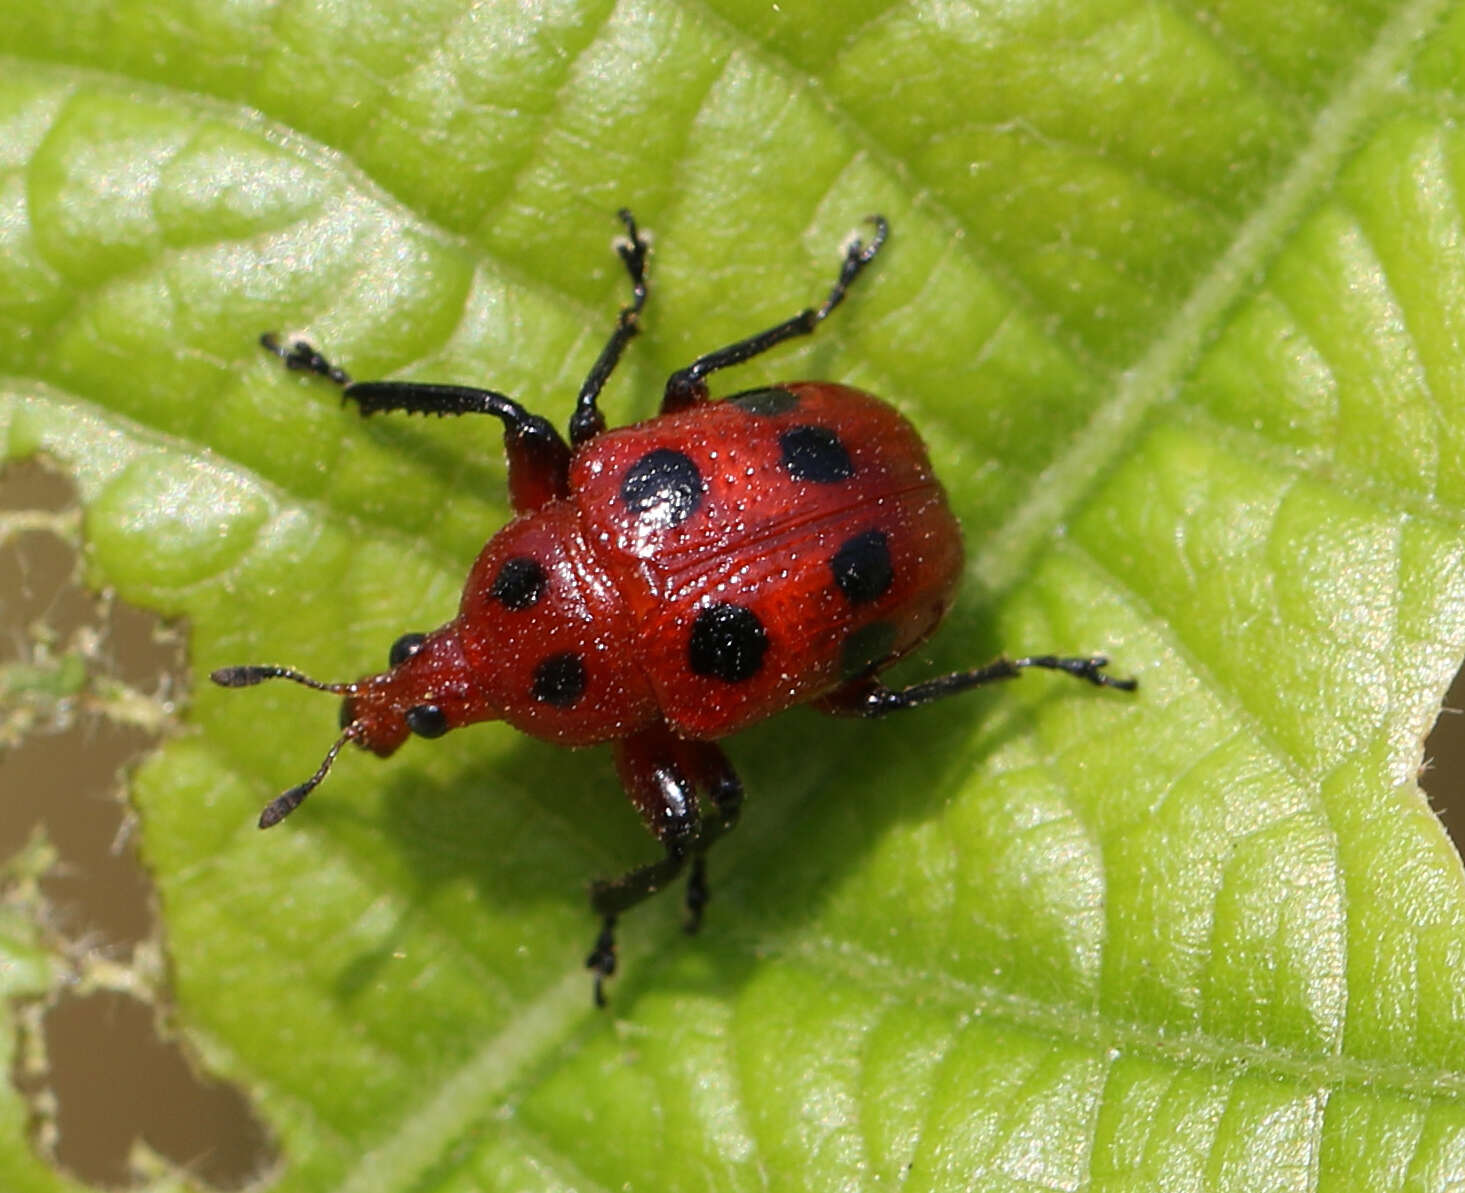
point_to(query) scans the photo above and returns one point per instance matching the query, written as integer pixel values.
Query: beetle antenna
(285, 803)
(250, 674)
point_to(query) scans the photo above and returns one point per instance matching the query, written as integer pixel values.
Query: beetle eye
(405, 647)
(427, 720)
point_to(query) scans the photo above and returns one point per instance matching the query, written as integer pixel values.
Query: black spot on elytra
(519, 583)
(862, 567)
(815, 454)
(765, 401)
(426, 720)
(559, 679)
(728, 642)
(663, 488)
(404, 648)
(865, 648)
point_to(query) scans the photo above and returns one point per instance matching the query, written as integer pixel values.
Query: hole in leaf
(1444, 772)
(86, 688)
(115, 1082)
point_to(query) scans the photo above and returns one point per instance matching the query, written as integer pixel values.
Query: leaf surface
(1177, 296)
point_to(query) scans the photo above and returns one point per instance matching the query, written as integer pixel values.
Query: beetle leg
(303, 358)
(587, 421)
(697, 892)
(688, 386)
(539, 460)
(868, 697)
(717, 778)
(662, 774)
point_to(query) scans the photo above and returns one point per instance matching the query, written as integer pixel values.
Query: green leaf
(1177, 296)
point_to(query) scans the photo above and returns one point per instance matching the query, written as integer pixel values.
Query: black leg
(539, 459)
(610, 897)
(716, 777)
(663, 774)
(602, 958)
(697, 893)
(688, 386)
(871, 698)
(587, 421)
(303, 358)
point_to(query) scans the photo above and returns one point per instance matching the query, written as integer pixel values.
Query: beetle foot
(697, 894)
(602, 958)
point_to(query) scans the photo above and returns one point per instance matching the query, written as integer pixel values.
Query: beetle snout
(374, 720)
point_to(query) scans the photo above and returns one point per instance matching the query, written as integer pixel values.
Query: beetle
(670, 582)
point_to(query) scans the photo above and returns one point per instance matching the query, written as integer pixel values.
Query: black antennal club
(286, 802)
(252, 673)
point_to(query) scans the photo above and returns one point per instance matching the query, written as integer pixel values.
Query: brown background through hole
(114, 1075)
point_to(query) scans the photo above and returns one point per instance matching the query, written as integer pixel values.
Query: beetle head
(427, 689)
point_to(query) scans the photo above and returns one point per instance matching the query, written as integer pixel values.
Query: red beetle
(668, 583)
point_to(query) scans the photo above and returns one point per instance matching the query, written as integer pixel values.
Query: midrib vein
(1057, 491)
(418, 1140)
